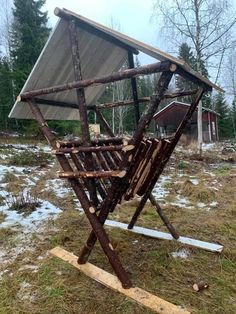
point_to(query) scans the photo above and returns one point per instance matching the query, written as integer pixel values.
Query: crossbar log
(93, 149)
(97, 141)
(163, 66)
(111, 104)
(139, 295)
(92, 174)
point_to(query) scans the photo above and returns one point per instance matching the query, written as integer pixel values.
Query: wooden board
(212, 247)
(141, 296)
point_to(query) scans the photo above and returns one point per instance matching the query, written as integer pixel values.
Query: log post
(160, 212)
(104, 122)
(162, 66)
(82, 106)
(134, 88)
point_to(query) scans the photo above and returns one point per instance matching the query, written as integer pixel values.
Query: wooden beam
(96, 141)
(92, 174)
(163, 66)
(120, 103)
(134, 89)
(93, 149)
(139, 295)
(212, 247)
(104, 123)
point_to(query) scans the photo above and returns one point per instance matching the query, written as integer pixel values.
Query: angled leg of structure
(89, 210)
(159, 210)
(119, 186)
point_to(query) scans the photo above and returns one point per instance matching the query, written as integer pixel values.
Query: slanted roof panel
(99, 56)
(145, 48)
(54, 66)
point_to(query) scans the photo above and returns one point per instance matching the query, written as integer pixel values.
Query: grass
(2, 217)
(196, 193)
(9, 177)
(24, 202)
(28, 158)
(59, 288)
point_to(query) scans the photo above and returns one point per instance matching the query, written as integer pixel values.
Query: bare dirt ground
(39, 211)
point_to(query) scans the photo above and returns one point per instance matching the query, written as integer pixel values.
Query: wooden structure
(168, 119)
(78, 60)
(141, 296)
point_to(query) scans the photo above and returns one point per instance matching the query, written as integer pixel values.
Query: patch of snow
(182, 253)
(194, 181)
(25, 292)
(213, 204)
(201, 205)
(182, 201)
(33, 268)
(43, 212)
(58, 187)
(208, 146)
(209, 173)
(159, 191)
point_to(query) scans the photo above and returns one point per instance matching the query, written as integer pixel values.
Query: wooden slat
(212, 247)
(92, 174)
(141, 296)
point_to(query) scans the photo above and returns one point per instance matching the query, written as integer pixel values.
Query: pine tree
(186, 54)
(29, 34)
(233, 116)
(225, 125)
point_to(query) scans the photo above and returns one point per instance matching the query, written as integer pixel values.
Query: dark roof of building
(179, 103)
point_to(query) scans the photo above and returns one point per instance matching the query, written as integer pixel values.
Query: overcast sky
(132, 15)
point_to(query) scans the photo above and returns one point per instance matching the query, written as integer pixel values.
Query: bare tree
(5, 27)
(231, 73)
(205, 25)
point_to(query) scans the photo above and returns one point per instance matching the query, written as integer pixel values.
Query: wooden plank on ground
(141, 296)
(212, 247)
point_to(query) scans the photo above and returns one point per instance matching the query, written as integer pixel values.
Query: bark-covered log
(92, 174)
(162, 66)
(201, 285)
(93, 149)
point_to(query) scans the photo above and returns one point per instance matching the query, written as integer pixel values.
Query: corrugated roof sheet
(54, 66)
(98, 57)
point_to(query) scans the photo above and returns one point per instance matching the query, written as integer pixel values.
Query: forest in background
(24, 31)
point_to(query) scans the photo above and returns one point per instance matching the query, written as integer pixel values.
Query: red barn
(168, 119)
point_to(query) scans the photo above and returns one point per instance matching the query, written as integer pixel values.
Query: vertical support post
(104, 122)
(134, 88)
(78, 77)
(82, 106)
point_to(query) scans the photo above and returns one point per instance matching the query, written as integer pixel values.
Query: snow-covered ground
(23, 225)
(27, 224)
